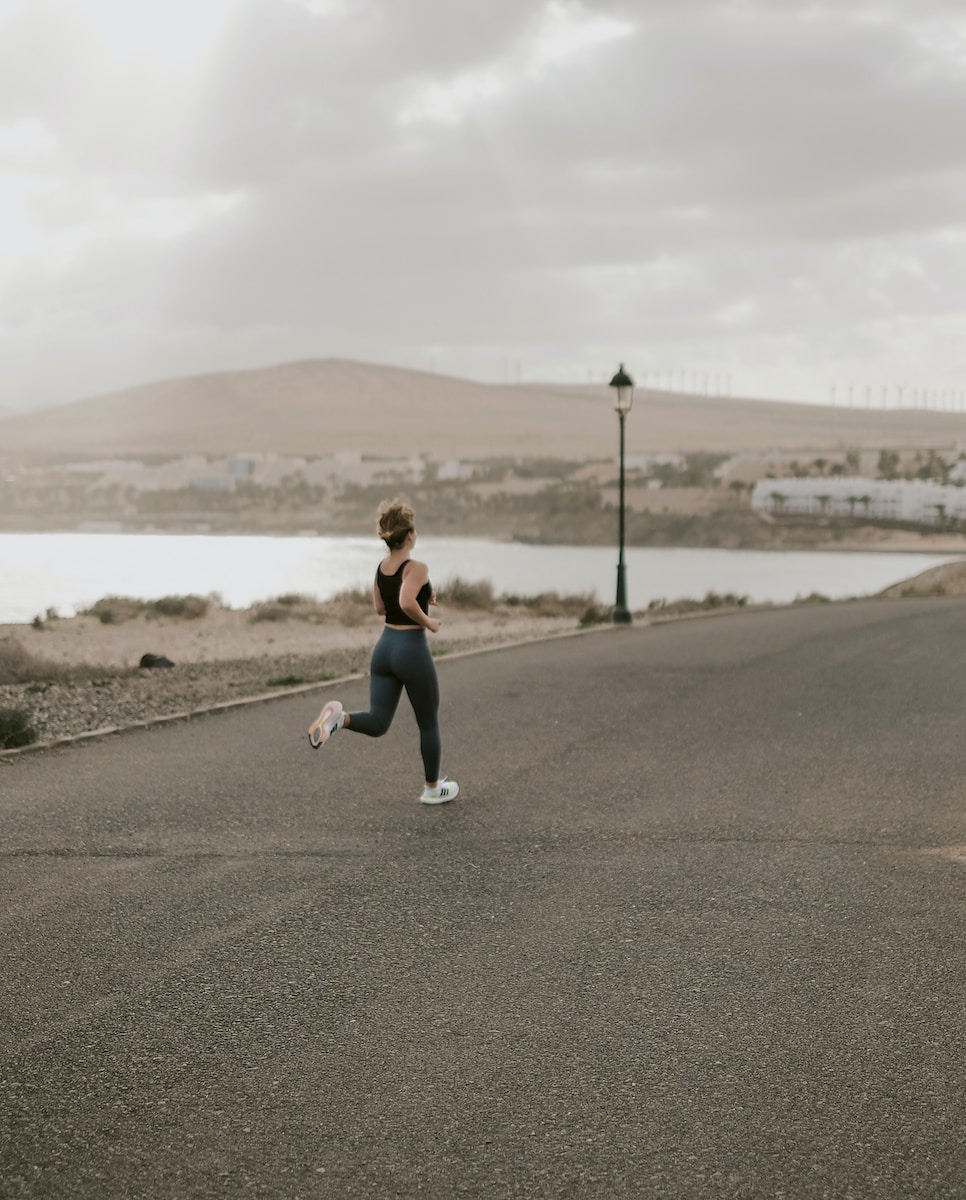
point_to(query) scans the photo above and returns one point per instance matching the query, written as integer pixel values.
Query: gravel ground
(59, 710)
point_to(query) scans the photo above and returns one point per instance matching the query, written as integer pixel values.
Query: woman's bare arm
(415, 577)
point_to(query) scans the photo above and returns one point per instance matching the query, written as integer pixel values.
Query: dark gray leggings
(401, 659)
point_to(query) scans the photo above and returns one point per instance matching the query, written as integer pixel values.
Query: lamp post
(623, 387)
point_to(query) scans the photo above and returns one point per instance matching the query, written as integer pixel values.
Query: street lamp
(623, 387)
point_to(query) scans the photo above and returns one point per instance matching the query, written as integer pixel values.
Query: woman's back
(390, 585)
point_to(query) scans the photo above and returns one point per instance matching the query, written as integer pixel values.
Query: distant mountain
(314, 408)
(325, 406)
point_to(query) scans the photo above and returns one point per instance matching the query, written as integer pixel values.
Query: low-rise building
(917, 501)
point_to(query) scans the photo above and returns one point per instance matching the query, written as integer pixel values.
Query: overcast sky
(767, 194)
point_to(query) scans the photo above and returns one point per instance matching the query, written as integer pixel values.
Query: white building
(917, 501)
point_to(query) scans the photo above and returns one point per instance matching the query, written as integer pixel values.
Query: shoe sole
(318, 734)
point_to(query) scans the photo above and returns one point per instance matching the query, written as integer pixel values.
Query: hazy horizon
(694, 384)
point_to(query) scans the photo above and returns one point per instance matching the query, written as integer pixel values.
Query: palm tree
(888, 464)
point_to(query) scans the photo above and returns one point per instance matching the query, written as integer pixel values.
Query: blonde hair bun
(396, 520)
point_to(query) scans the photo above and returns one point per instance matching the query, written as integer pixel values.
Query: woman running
(401, 659)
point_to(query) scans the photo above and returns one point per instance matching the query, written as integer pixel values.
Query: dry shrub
(114, 610)
(551, 604)
(269, 611)
(933, 589)
(188, 608)
(712, 600)
(351, 607)
(478, 595)
(465, 593)
(18, 665)
(593, 614)
(15, 728)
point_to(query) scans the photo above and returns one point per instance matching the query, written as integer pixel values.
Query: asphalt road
(694, 928)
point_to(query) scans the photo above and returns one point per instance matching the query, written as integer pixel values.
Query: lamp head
(624, 391)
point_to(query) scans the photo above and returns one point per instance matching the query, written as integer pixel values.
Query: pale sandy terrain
(224, 635)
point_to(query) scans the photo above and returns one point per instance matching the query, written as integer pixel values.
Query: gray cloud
(772, 189)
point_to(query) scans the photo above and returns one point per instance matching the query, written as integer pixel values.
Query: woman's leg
(417, 671)
(385, 688)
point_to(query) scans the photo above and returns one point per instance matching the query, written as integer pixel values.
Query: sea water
(70, 571)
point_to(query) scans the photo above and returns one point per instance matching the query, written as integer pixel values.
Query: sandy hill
(320, 407)
(948, 579)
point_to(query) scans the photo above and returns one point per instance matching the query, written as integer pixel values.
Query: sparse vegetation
(18, 665)
(350, 607)
(712, 600)
(270, 611)
(15, 729)
(478, 595)
(354, 606)
(114, 610)
(934, 589)
(888, 466)
(593, 614)
(462, 593)
(189, 608)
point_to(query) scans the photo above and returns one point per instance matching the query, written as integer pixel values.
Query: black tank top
(389, 586)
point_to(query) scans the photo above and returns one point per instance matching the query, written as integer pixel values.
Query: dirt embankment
(948, 579)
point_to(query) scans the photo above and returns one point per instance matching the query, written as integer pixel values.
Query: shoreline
(19, 617)
(802, 539)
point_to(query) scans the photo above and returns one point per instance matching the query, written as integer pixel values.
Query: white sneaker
(445, 790)
(326, 723)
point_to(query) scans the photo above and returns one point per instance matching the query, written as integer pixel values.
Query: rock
(152, 661)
